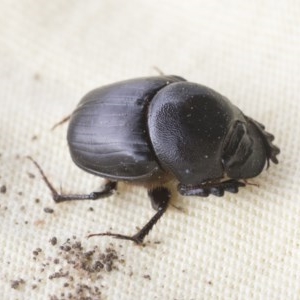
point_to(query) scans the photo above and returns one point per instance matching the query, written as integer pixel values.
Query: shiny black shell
(108, 134)
(142, 129)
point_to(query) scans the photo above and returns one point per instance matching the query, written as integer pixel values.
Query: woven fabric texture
(240, 246)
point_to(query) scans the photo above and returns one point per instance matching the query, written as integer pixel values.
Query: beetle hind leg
(159, 199)
(214, 188)
(107, 191)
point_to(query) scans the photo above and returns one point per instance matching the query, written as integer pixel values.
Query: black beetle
(152, 130)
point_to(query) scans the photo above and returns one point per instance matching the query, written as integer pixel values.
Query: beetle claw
(133, 238)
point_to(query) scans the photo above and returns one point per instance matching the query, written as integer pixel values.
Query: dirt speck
(39, 223)
(17, 284)
(3, 189)
(78, 271)
(48, 210)
(37, 76)
(53, 241)
(30, 175)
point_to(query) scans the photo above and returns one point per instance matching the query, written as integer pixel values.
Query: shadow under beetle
(151, 130)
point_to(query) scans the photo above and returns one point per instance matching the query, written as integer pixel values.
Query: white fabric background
(244, 246)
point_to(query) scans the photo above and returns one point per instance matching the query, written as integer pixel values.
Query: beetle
(148, 131)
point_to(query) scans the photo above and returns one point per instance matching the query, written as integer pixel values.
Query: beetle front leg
(108, 190)
(214, 188)
(159, 199)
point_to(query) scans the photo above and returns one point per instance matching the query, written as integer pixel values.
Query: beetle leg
(215, 188)
(108, 190)
(64, 120)
(159, 199)
(158, 70)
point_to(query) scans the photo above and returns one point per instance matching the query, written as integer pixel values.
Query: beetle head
(247, 149)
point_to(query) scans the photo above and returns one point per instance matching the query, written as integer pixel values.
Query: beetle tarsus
(48, 183)
(160, 197)
(119, 236)
(215, 188)
(108, 190)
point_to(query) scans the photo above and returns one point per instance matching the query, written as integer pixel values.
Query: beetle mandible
(152, 130)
